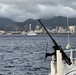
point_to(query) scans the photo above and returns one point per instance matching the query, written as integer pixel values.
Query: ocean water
(25, 55)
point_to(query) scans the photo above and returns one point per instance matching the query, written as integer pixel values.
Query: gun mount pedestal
(56, 66)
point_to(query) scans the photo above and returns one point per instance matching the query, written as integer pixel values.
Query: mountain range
(10, 25)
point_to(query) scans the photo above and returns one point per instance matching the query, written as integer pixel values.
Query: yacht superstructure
(31, 33)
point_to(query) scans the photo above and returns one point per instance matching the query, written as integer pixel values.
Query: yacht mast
(68, 28)
(68, 46)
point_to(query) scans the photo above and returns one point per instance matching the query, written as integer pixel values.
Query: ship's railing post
(59, 62)
(53, 66)
(71, 55)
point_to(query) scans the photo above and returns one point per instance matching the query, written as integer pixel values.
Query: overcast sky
(20, 10)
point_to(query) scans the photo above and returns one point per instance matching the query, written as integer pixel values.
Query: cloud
(21, 10)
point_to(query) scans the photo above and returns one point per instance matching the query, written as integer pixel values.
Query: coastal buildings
(72, 29)
(40, 30)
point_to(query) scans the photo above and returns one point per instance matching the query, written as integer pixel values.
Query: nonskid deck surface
(69, 71)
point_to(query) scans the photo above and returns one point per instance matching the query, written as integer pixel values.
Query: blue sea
(25, 55)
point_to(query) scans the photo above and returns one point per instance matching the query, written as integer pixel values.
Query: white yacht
(31, 33)
(23, 33)
(9, 33)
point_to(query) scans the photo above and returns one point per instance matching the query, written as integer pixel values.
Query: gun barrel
(57, 47)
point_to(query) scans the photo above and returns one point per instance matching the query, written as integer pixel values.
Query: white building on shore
(2, 32)
(72, 29)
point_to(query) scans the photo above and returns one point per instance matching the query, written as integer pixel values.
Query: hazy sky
(21, 10)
